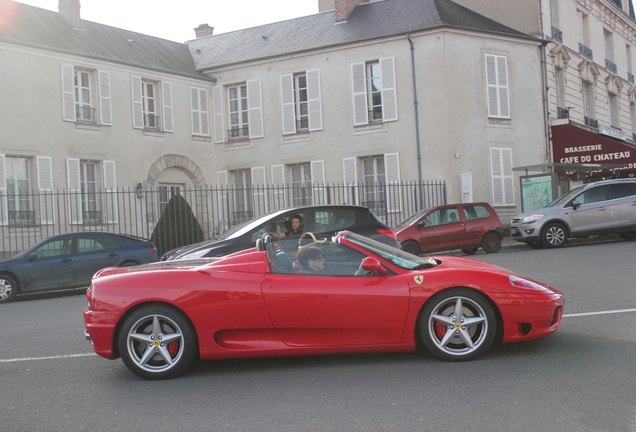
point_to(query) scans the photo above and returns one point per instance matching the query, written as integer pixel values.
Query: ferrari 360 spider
(340, 295)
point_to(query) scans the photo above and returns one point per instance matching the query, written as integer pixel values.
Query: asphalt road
(580, 379)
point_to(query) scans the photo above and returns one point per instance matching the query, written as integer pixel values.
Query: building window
(166, 193)
(374, 92)
(301, 104)
(301, 185)
(92, 192)
(588, 99)
(239, 120)
(374, 179)
(91, 213)
(84, 111)
(554, 13)
(613, 109)
(199, 111)
(17, 190)
(502, 176)
(149, 105)
(497, 86)
(609, 45)
(559, 79)
(243, 196)
(584, 29)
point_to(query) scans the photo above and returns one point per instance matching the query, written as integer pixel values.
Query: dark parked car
(600, 208)
(70, 260)
(323, 220)
(454, 226)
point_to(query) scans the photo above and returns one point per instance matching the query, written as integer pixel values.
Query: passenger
(298, 224)
(286, 230)
(310, 259)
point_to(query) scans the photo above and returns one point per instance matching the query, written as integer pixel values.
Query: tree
(177, 226)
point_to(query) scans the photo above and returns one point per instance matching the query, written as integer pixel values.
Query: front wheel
(458, 324)
(628, 235)
(491, 243)
(411, 247)
(8, 289)
(157, 342)
(554, 235)
(470, 251)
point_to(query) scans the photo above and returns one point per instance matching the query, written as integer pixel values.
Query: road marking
(598, 313)
(92, 354)
(46, 358)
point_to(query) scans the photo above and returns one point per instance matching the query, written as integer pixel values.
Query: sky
(175, 19)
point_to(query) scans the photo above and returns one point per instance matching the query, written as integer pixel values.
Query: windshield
(398, 257)
(565, 198)
(245, 227)
(413, 218)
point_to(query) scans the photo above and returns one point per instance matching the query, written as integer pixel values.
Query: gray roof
(367, 21)
(41, 28)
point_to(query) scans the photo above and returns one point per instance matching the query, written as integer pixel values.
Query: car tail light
(89, 297)
(153, 250)
(387, 232)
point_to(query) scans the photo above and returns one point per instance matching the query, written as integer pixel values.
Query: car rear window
(334, 220)
(476, 212)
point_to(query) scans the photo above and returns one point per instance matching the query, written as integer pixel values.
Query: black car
(324, 220)
(70, 260)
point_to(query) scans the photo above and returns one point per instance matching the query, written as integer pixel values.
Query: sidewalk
(509, 244)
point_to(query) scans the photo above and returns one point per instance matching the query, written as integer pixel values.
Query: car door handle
(65, 260)
(112, 254)
(602, 208)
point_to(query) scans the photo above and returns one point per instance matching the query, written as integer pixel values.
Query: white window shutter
(259, 183)
(502, 176)
(393, 187)
(196, 115)
(166, 96)
(467, 187)
(318, 181)
(137, 107)
(497, 86)
(74, 191)
(389, 93)
(223, 211)
(68, 93)
(205, 120)
(4, 214)
(255, 109)
(287, 102)
(110, 208)
(217, 107)
(278, 187)
(314, 99)
(359, 86)
(350, 180)
(105, 103)
(45, 189)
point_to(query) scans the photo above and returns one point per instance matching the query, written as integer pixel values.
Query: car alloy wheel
(628, 235)
(411, 247)
(457, 324)
(8, 289)
(157, 342)
(554, 235)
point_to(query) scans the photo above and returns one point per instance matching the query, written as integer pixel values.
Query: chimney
(203, 30)
(70, 11)
(345, 7)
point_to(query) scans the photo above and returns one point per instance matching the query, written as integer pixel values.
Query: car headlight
(532, 218)
(520, 282)
(196, 254)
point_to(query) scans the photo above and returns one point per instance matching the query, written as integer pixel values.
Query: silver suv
(604, 207)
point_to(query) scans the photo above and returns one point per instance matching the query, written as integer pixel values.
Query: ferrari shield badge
(418, 279)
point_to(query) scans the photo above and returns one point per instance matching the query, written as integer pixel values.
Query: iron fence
(216, 209)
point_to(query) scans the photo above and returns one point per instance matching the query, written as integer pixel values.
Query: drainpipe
(546, 113)
(417, 118)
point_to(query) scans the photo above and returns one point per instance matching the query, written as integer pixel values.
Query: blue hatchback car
(70, 260)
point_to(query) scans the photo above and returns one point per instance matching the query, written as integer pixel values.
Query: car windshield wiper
(428, 264)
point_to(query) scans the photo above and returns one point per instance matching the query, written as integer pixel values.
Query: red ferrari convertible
(343, 295)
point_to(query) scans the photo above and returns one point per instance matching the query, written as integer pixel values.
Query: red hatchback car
(453, 226)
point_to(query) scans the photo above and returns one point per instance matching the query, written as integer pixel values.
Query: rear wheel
(470, 251)
(457, 324)
(157, 342)
(411, 247)
(8, 289)
(554, 235)
(628, 235)
(491, 243)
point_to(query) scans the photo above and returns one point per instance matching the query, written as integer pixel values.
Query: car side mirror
(421, 224)
(575, 204)
(32, 256)
(370, 264)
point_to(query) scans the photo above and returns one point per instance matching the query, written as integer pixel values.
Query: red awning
(574, 145)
